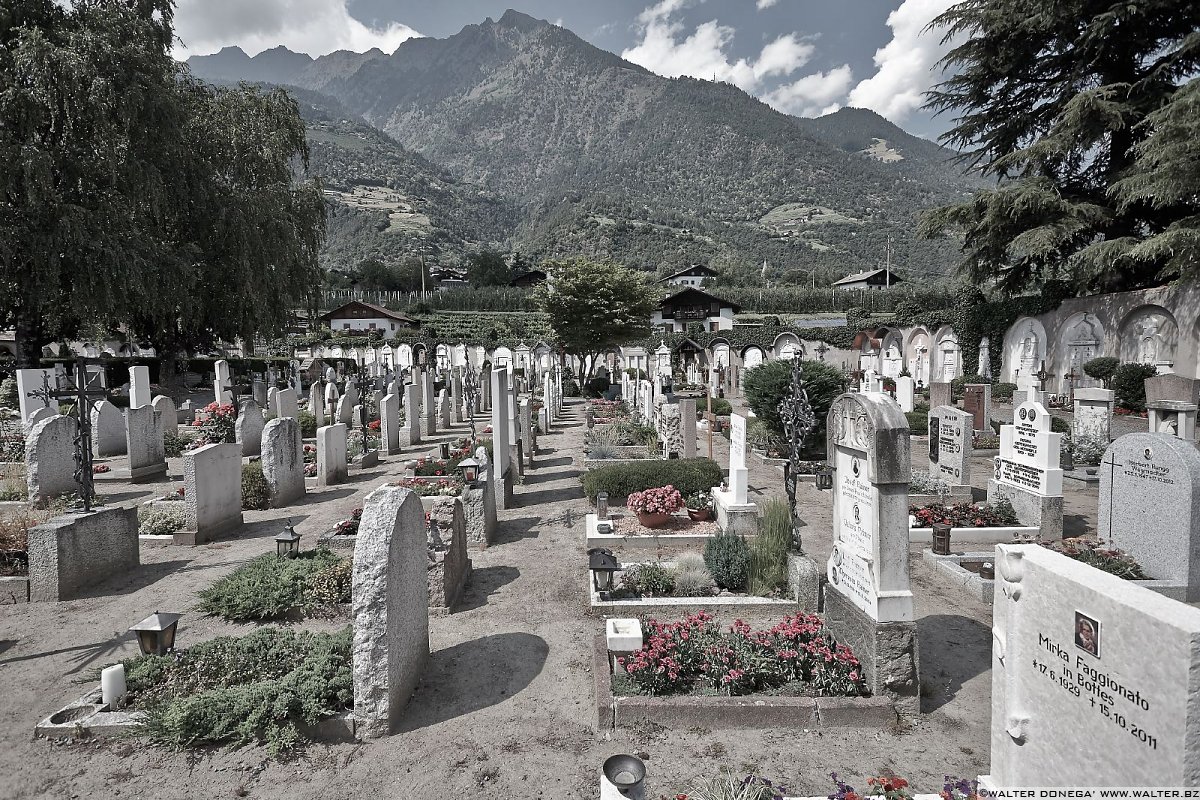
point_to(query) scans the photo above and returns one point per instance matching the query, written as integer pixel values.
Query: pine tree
(1084, 113)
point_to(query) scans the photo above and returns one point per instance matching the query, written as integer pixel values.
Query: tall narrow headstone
(1027, 471)
(286, 404)
(108, 430)
(222, 385)
(258, 390)
(50, 459)
(428, 405)
(139, 387)
(390, 608)
(316, 402)
(1093, 678)
(345, 407)
(868, 601)
(283, 461)
(940, 394)
(977, 401)
(332, 467)
(1092, 419)
(248, 429)
(525, 425)
(547, 412)
(212, 481)
(904, 392)
(270, 407)
(444, 410)
(1150, 508)
(331, 402)
(144, 444)
(687, 426)
(166, 414)
(950, 445)
(500, 440)
(456, 394)
(389, 424)
(485, 389)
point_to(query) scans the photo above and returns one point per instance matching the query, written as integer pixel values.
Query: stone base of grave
(79, 550)
(739, 518)
(804, 581)
(149, 472)
(367, 459)
(502, 487)
(517, 457)
(429, 426)
(887, 651)
(479, 509)
(1033, 510)
(410, 438)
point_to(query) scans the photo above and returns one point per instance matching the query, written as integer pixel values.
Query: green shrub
(570, 388)
(308, 424)
(1102, 368)
(332, 584)
(256, 494)
(649, 579)
(767, 384)
(958, 386)
(688, 475)
(268, 587)
(768, 554)
(694, 583)
(8, 393)
(918, 422)
(689, 561)
(262, 687)
(728, 559)
(720, 406)
(1060, 425)
(161, 519)
(1129, 385)
(1003, 391)
(173, 444)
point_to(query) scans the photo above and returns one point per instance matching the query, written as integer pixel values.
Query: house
(690, 305)
(871, 279)
(528, 279)
(358, 316)
(694, 276)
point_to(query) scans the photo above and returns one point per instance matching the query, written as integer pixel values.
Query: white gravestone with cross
(1027, 472)
(734, 512)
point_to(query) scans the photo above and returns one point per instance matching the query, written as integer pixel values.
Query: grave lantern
(987, 571)
(602, 505)
(445, 451)
(941, 538)
(470, 470)
(156, 633)
(287, 543)
(603, 564)
(824, 478)
(625, 773)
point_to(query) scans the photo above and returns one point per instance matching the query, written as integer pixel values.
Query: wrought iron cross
(84, 396)
(798, 422)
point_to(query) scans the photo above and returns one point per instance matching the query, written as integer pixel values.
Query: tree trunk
(170, 380)
(29, 339)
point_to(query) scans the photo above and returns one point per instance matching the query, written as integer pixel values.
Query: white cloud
(703, 53)
(765, 4)
(813, 95)
(315, 27)
(906, 64)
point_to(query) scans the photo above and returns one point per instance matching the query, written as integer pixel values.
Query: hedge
(688, 475)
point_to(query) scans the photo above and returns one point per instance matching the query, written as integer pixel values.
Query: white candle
(112, 685)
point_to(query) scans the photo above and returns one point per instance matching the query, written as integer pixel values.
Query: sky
(803, 57)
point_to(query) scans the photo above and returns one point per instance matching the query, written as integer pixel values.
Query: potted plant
(699, 506)
(654, 507)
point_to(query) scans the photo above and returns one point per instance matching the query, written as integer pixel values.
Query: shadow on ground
(485, 582)
(954, 650)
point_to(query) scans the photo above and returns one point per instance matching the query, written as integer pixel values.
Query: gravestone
(502, 479)
(1093, 415)
(687, 427)
(1171, 405)
(670, 430)
(108, 430)
(868, 600)
(144, 443)
(316, 402)
(1150, 508)
(940, 394)
(1093, 678)
(167, 416)
(389, 609)
(31, 380)
(222, 387)
(950, 445)
(345, 407)
(332, 467)
(485, 388)
(283, 461)
(525, 425)
(428, 405)
(139, 387)
(248, 429)
(411, 433)
(734, 512)
(286, 404)
(456, 394)
(46, 412)
(977, 401)
(449, 564)
(331, 402)
(50, 459)
(389, 424)
(444, 410)
(904, 392)
(212, 497)
(1027, 472)
(258, 391)
(74, 552)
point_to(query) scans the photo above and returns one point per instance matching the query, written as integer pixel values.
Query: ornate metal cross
(84, 396)
(798, 422)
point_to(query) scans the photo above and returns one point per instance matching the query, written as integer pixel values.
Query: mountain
(603, 158)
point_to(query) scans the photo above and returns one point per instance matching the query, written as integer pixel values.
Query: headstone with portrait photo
(1093, 678)
(868, 599)
(1027, 472)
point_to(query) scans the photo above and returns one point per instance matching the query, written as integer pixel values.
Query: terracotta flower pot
(699, 514)
(652, 520)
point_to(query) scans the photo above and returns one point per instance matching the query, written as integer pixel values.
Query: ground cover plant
(688, 475)
(965, 515)
(264, 687)
(694, 656)
(1095, 554)
(621, 433)
(459, 451)
(161, 519)
(256, 492)
(270, 587)
(768, 572)
(431, 487)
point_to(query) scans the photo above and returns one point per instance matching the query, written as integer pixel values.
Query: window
(371, 326)
(345, 326)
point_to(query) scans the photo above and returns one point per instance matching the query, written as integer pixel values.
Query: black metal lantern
(602, 505)
(445, 450)
(156, 633)
(287, 543)
(941, 539)
(824, 477)
(603, 565)
(470, 470)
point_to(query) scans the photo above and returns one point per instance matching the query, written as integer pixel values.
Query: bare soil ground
(506, 708)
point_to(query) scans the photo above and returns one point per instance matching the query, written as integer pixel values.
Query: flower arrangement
(678, 657)
(100, 469)
(426, 487)
(1093, 553)
(662, 500)
(964, 515)
(349, 527)
(216, 426)
(374, 425)
(891, 787)
(699, 501)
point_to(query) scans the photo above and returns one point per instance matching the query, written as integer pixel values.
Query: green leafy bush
(728, 559)
(1102, 368)
(694, 583)
(570, 388)
(161, 519)
(8, 393)
(688, 475)
(264, 687)
(768, 554)
(767, 384)
(308, 424)
(1003, 391)
(1088, 450)
(1129, 385)
(331, 585)
(269, 587)
(256, 493)
(174, 444)
(1060, 425)
(651, 580)
(918, 422)
(720, 406)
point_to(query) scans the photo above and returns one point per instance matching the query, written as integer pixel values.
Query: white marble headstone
(1029, 452)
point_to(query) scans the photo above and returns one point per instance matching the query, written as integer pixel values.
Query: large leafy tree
(1085, 113)
(134, 194)
(594, 307)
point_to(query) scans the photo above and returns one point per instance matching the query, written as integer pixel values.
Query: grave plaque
(1093, 678)
(1029, 452)
(950, 445)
